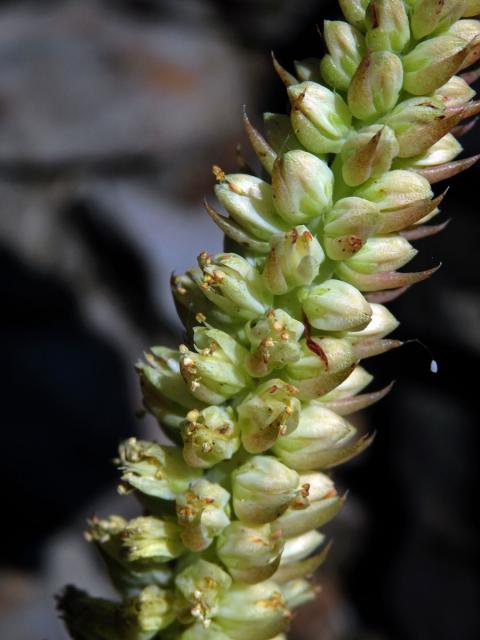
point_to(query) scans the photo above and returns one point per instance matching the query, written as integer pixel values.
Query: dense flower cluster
(256, 400)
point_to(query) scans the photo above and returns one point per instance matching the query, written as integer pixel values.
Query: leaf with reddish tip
(236, 233)
(382, 297)
(302, 569)
(346, 406)
(285, 76)
(424, 231)
(447, 169)
(469, 110)
(463, 129)
(313, 388)
(473, 53)
(398, 219)
(264, 151)
(374, 347)
(346, 453)
(382, 280)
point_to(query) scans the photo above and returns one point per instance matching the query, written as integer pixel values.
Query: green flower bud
(165, 393)
(199, 631)
(471, 8)
(418, 123)
(274, 342)
(346, 48)
(434, 15)
(355, 383)
(321, 440)
(376, 85)
(298, 592)
(432, 63)
(387, 25)
(210, 436)
(298, 548)
(256, 612)
(233, 284)
(268, 412)
(138, 618)
(320, 118)
(382, 253)
(354, 11)
(279, 132)
(454, 93)
(263, 488)
(127, 577)
(155, 470)
(321, 356)
(382, 323)
(445, 150)
(194, 308)
(294, 260)
(143, 616)
(322, 502)
(250, 553)
(368, 154)
(216, 372)
(396, 189)
(348, 225)
(248, 200)
(148, 538)
(302, 186)
(201, 587)
(335, 306)
(203, 513)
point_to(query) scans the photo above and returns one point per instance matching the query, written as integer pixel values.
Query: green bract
(257, 398)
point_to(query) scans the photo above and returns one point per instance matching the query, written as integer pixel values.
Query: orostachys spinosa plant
(256, 400)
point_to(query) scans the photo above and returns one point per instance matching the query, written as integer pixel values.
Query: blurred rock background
(111, 115)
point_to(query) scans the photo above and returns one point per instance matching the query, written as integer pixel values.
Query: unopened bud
(355, 383)
(274, 341)
(298, 592)
(454, 93)
(387, 25)
(445, 150)
(155, 470)
(382, 253)
(210, 436)
(376, 85)
(279, 132)
(202, 512)
(201, 587)
(144, 615)
(250, 553)
(354, 11)
(396, 189)
(149, 538)
(432, 63)
(248, 200)
(322, 501)
(471, 8)
(335, 306)
(266, 413)
(418, 123)
(321, 356)
(382, 323)
(216, 372)
(233, 284)
(302, 186)
(368, 154)
(256, 612)
(298, 548)
(346, 48)
(348, 225)
(263, 488)
(320, 118)
(319, 441)
(465, 29)
(295, 258)
(431, 15)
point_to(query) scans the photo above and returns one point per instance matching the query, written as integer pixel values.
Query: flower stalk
(258, 398)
